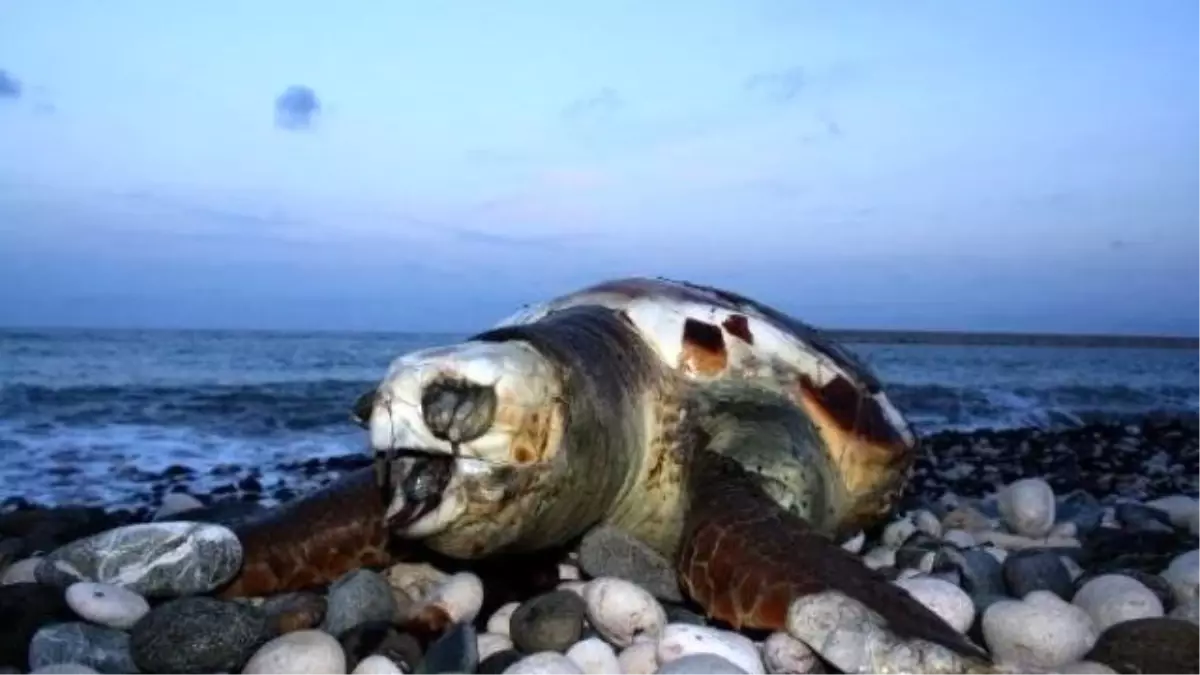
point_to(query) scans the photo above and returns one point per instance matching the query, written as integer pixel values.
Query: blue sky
(1020, 165)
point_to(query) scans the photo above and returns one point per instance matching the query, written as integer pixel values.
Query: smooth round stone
(376, 665)
(681, 639)
(380, 638)
(594, 656)
(1037, 570)
(105, 649)
(1141, 518)
(611, 552)
(157, 560)
(1041, 631)
(1154, 645)
(1182, 511)
(106, 605)
(880, 557)
(1028, 507)
(1114, 598)
(550, 622)
(943, 598)
(898, 531)
(311, 652)
(500, 622)
(959, 538)
(197, 635)
(1082, 509)
(783, 653)
(492, 643)
(639, 658)
(622, 611)
(358, 597)
(544, 663)
(700, 664)
(928, 523)
(1183, 573)
(979, 572)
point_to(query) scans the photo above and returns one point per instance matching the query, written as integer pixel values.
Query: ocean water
(87, 415)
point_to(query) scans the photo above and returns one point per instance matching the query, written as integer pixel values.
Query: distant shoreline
(988, 339)
(848, 335)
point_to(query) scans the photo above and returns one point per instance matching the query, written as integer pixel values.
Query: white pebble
(1041, 631)
(1114, 598)
(311, 652)
(460, 596)
(544, 663)
(942, 598)
(928, 523)
(1063, 530)
(575, 587)
(490, 643)
(569, 572)
(683, 639)
(699, 664)
(898, 531)
(63, 669)
(21, 572)
(594, 656)
(639, 658)
(880, 556)
(175, 503)
(1183, 574)
(855, 544)
(960, 538)
(621, 611)
(501, 619)
(1181, 510)
(106, 604)
(1027, 506)
(377, 664)
(1087, 668)
(783, 653)
(909, 573)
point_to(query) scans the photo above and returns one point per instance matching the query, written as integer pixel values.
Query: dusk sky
(977, 165)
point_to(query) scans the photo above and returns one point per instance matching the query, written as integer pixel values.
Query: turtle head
(465, 439)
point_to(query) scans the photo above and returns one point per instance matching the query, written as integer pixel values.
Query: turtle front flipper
(745, 560)
(314, 540)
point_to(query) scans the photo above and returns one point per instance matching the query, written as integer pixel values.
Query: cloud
(296, 108)
(10, 87)
(601, 105)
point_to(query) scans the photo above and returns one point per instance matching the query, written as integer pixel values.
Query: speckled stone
(105, 649)
(358, 597)
(1151, 645)
(198, 635)
(165, 559)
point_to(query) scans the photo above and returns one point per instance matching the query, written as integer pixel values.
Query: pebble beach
(1056, 551)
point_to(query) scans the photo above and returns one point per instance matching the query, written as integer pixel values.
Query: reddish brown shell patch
(739, 327)
(703, 347)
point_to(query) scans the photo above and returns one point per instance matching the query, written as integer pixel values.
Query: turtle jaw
(423, 491)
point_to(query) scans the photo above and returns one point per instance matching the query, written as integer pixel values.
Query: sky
(1015, 165)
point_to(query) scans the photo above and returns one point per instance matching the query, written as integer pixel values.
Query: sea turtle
(728, 436)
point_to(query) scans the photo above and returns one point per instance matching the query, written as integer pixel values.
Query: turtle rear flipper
(745, 559)
(314, 540)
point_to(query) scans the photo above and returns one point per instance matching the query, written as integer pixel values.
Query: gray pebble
(550, 622)
(104, 649)
(1141, 518)
(455, 652)
(610, 552)
(198, 635)
(980, 572)
(358, 597)
(1036, 570)
(1082, 509)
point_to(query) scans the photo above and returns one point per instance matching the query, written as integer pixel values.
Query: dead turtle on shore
(729, 437)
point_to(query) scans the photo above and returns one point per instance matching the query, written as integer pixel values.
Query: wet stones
(1152, 645)
(1037, 570)
(549, 622)
(167, 559)
(610, 552)
(104, 649)
(358, 597)
(198, 635)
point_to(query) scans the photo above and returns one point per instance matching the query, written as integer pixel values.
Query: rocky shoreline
(1072, 551)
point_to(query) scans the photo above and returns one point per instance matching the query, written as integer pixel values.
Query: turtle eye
(458, 411)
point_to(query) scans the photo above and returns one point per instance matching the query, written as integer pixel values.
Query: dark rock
(104, 649)
(1151, 645)
(1141, 518)
(198, 635)
(499, 662)
(549, 622)
(980, 572)
(1035, 570)
(44, 529)
(294, 611)
(609, 552)
(358, 597)
(1082, 509)
(455, 652)
(380, 637)
(680, 614)
(25, 608)
(1109, 549)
